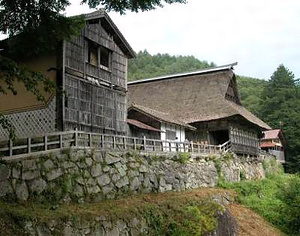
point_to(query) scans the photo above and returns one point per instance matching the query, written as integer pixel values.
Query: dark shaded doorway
(218, 137)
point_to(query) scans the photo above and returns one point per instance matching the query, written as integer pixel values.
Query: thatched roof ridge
(159, 115)
(191, 98)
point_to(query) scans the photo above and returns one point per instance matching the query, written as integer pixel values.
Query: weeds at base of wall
(182, 157)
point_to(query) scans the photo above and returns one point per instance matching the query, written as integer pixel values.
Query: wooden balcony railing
(80, 139)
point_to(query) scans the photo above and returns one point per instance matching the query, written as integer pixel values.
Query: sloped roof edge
(158, 115)
(102, 14)
(198, 72)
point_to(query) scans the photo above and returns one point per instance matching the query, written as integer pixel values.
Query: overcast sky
(258, 34)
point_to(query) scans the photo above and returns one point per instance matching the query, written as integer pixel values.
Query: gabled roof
(272, 134)
(159, 115)
(191, 97)
(110, 26)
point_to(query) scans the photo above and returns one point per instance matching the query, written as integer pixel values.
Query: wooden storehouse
(207, 100)
(273, 142)
(92, 70)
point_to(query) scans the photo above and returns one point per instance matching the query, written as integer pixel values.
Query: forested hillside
(276, 101)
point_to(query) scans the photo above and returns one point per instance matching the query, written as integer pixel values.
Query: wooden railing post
(46, 143)
(192, 147)
(90, 140)
(114, 142)
(125, 144)
(29, 145)
(76, 138)
(60, 141)
(145, 143)
(134, 143)
(101, 141)
(10, 147)
(154, 145)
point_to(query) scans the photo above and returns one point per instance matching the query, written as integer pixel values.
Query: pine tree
(281, 109)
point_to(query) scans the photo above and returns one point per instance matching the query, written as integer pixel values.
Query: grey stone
(107, 189)
(5, 188)
(4, 172)
(42, 230)
(68, 230)
(54, 174)
(110, 159)
(22, 191)
(29, 164)
(30, 174)
(16, 173)
(78, 191)
(134, 165)
(89, 161)
(121, 168)
(135, 184)
(80, 180)
(98, 231)
(97, 157)
(48, 165)
(121, 225)
(133, 173)
(68, 165)
(122, 182)
(91, 182)
(103, 180)
(96, 170)
(93, 189)
(113, 232)
(29, 228)
(116, 177)
(38, 185)
(106, 169)
(143, 169)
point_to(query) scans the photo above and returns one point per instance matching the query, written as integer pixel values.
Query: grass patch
(276, 198)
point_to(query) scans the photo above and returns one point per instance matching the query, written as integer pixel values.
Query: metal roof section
(198, 72)
(142, 125)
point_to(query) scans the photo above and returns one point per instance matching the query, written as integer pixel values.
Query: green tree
(281, 109)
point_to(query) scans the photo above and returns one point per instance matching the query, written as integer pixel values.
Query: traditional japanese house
(92, 70)
(207, 100)
(273, 142)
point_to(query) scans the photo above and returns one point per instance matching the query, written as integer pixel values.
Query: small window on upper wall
(93, 54)
(105, 55)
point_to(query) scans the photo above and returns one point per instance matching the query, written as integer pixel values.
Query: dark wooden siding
(96, 98)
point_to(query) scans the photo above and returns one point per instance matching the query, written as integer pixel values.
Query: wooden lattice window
(98, 55)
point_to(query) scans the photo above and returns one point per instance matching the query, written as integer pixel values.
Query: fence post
(29, 145)
(170, 146)
(10, 147)
(101, 141)
(134, 143)
(76, 138)
(90, 139)
(192, 147)
(46, 143)
(114, 142)
(125, 145)
(154, 145)
(145, 143)
(60, 141)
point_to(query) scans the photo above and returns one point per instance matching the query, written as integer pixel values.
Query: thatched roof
(160, 116)
(191, 97)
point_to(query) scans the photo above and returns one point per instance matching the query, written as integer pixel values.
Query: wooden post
(170, 146)
(76, 138)
(114, 142)
(183, 146)
(198, 147)
(145, 143)
(90, 139)
(101, 141)
(60, 141)
(46, 143)
(29, 145)
(10, 147)
(134, 143)
(125, 144)
(192, 147)
(154, 145)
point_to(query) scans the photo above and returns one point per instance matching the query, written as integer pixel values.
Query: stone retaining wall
(88, 175)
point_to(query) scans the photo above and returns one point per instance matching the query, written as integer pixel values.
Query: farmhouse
(273, 142)
(92, 70)
(202, 106)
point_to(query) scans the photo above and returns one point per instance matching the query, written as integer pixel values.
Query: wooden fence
(82, 139)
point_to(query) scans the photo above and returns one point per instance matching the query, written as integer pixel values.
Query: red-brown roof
(267, 145)
(142, 125)
(271, 134)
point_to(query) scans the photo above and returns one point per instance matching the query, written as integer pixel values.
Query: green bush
(184, 157)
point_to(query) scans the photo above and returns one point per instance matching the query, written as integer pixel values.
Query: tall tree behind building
(280, 107)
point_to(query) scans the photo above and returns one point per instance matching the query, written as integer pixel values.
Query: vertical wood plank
(60, 141)
(29, 145)
(192, 147)
(76, 138)
(10, 147)
(90, 140)
(114, 142)
(125, 144)
(46, 143)
(134, 143)
(145, 143)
